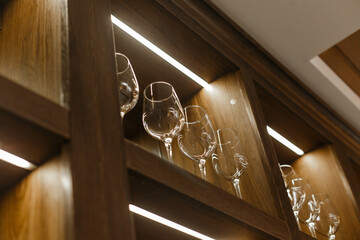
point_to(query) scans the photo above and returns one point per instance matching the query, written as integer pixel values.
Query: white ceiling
(295, 32)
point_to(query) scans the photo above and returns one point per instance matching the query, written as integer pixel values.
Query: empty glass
(310, 211)
(297, 193)
(228, 160)
(197, 138)
(328, 220)
(163, 116)
(288, 173)
(128, 88)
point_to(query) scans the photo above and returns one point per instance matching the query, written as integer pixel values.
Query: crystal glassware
(228, 159)
(163, 116)
(328, 220)
(288, 173)
(296, 190)
(128, 88)
(197, 138)
(310, 211)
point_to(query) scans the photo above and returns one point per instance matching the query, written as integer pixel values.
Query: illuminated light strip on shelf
(15, 160)
(167, 222)
(284, 141)
(160, 52)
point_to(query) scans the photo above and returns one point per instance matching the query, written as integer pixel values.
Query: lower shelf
(175, 194)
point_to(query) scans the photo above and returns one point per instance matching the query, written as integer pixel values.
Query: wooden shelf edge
(34, 108)
(304, 236)
(149, 165)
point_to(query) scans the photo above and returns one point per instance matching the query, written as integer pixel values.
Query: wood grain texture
(271, 155)
(100, 181)
(40, 206)
(321, 168)
(255, 185)
(31, 45)
(195, 197)
(343, 67)
(238, 47)
(289, 125)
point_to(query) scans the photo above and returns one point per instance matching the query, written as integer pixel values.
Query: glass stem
(296, 213)
(122, 114)
(202, 168)
(311, 226)
(236, 184)
(168, 147)
(332, 237)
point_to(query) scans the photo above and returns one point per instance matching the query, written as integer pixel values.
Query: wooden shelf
(159, 186)
(31, 127)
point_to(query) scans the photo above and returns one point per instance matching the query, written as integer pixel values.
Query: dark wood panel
(40, 206)
(237, 46)
(32, 107)
(148, 229)
(321, 168)
(10, 174)
(270, 153)
(187, 184)
(31, 45)
(343, 67)
(98, 162)
(289, 125)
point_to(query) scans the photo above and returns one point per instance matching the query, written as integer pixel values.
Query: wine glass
(328, 220)
(163, 116)
(288, 173)
(128, 88)
(228, 160)
(296, 190)
(197, 138)
(309, 213)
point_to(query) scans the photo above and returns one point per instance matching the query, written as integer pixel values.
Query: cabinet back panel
(255, 185)
(321, 168)
(40, 206)
(31, 42)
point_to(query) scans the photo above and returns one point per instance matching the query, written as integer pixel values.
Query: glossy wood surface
(31, 45)
(321, 168)
(182, 190)
(100, 181)
(31, 127)
(344, 59)
(40, 206)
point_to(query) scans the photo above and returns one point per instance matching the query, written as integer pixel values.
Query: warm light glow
(167, 222)
(15, 160)
(160, 52)
(284, 141)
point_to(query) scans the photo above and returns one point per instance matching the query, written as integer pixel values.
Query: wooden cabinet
(90, 167)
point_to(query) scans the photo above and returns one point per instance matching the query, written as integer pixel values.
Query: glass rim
(161, 100)
(228, 142)
(128, 63)
(205, 115)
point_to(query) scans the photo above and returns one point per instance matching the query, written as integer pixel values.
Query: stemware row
(319, 214)
(164, 118)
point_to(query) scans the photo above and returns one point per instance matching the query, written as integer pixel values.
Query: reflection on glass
(228, 159)
(328, 220)
(288, 173)
(163, 116)
(128, 88)
(197, 138)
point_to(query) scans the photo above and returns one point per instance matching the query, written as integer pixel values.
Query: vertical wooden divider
(100, 180)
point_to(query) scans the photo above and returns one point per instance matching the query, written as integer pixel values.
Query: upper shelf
(32, 127)
(214, 212)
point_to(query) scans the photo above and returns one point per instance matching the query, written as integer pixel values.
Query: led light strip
(284, 141)
(167, 222)
(160, 52)
(15, 160)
